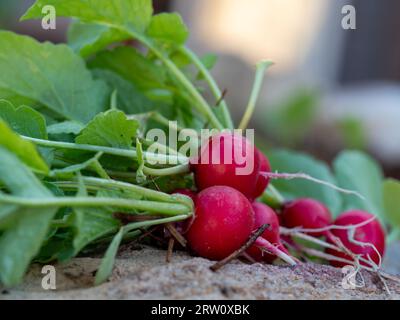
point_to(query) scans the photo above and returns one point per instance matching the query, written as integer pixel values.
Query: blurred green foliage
(352, 133)
(290, 122)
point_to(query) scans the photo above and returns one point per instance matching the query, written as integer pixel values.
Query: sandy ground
(144, 274)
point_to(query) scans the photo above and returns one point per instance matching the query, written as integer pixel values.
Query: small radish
(224, 220)
(364, 239)
(262, 181)
(265, 215)
(307, 214)
(227, 159)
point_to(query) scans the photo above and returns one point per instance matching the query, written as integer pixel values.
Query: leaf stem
(201, 103)
(149, 223)
(181, 169)
(99, 169)
(212, 83)
(273, 197)
(260, 71)
(162, 158)
(144, 192)
(144, 205)
(162, 147)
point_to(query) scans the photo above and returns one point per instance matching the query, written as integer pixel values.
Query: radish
(262, 180)
(227, 159)
(368, 239)
(224, 221)
(265, 215)
(307, 214)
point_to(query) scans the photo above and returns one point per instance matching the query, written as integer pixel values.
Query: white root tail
(300, 175)
(268, 246)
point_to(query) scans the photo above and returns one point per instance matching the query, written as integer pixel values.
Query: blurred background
(329, 89)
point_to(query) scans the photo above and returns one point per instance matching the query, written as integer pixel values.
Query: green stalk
(155, 207)
(276, 193)
(108, 150)
(98, 168)
(144, 192)
(121, 174)
(149, 223)
(162, 147)
(113, 100)
(260, 71)
(201, 103)
(181, 169)
(212, 84)
(272, 197)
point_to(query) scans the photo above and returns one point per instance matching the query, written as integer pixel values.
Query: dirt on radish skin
(306, 213)
(370, 237)
(221, 160)
(224, 220)
(265, 215)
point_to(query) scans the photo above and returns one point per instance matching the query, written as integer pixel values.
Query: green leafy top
(21, 242)
(24, 150)
(158, 33)
(98, 181)
(133, 13)
(109, 129)
(51, 75)
(168, 28)
(23, 120)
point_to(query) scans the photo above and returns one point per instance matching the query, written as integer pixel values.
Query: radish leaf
(109, 129)
(24, 150)
(294, 162)
(22, 240)
(23, 120)
(391, 196)
(359, 172)
(52, 75)
(168, 28)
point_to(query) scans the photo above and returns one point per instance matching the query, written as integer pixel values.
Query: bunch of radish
(357, 235)
(226, 213)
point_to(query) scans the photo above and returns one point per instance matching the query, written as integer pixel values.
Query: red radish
(262, 181)
(265, 215)
(224, 220)
(227, 159)
(371, 233)
(308, 214)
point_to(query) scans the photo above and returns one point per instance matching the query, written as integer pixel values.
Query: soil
(142, 273)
